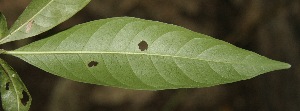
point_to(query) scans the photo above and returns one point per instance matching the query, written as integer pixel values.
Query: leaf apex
(286, 65)
(281, 65)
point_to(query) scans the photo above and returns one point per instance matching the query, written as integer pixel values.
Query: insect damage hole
(25, 98)
(92, 63)
(143, 45)
(7, 86)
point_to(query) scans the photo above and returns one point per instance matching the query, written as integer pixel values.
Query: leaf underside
(140, 54)
(42, 15)
(3, 25)
(14, 94)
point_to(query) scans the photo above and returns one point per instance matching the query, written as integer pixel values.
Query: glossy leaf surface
(14, 94)
(140, 54)
(42, 15)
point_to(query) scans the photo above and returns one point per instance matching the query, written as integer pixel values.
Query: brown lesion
(29, 26)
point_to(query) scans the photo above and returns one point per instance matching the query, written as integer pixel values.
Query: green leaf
(140, 54)
(14, 94)
(42, 15)
(3, 25)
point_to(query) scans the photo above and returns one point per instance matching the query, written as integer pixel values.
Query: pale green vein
(124, 53)
(98, 52)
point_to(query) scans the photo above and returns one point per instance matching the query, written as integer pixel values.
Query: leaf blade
(3, 26)
(13, 90)
(42, 15)
(174, 57)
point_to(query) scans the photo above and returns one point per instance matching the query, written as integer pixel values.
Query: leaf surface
(42, 15)
(140, 54)
(3, 25)
(14, 94)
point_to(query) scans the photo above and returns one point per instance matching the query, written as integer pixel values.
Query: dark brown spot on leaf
(93, 63)
(25, 98)
(7, 86)
(143, 45)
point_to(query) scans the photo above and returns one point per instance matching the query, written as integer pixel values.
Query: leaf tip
(286, 65)
(281, 65)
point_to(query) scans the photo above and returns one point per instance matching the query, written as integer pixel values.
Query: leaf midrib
(101, 52)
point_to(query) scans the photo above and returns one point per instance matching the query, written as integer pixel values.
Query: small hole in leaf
(25, 98)
(93, 64)
(143, 45)
(7, 86)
